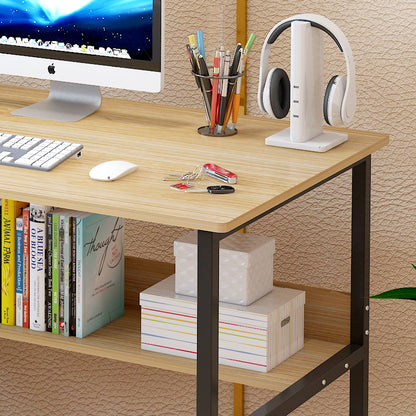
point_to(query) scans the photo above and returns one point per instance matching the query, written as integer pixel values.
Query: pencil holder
(219, 106)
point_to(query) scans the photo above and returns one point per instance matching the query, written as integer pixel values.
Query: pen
(223, 100)
(200, 39)
(193, 65)
(214, 90)
(233, 70)
(194, 47)
(243, 63)
(195, 70)
(220, 81)
(205, 82)
(236, 101)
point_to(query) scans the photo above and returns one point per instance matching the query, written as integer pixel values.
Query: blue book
(19, 271)
(99, 271)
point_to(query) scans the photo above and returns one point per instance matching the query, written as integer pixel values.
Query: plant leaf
(414, 266)
(401, 293)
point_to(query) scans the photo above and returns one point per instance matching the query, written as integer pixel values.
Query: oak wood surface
(163, 140)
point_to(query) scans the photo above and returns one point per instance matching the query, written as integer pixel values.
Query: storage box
(246, 267)
(255, 337)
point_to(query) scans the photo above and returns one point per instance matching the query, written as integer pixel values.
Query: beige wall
(312, 233)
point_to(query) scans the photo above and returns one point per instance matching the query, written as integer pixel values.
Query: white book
(37, 266)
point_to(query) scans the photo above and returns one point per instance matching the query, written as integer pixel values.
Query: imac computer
(80, 45)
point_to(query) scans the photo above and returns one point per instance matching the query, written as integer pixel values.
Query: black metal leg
(207, 326)
(360, 281)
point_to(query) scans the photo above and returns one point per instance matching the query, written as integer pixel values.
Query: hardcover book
(100, 271)
(10, 210)
(19, 271)
(37, 266)
(48, 260)
(26, 268)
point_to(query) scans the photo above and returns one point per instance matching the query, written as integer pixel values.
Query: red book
(26, 268)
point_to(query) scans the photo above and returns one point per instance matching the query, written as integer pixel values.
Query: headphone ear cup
(334, 95)
(276, 93)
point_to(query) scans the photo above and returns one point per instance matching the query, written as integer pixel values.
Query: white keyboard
(35, 153)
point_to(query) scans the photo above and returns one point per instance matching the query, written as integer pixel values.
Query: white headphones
(274, 85)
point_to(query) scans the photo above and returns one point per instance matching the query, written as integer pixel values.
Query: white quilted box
(246, 267)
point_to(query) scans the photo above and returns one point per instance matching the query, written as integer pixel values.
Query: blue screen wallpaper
(115, 24)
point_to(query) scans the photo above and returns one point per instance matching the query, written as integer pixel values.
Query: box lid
(277, 298)
(244, 243)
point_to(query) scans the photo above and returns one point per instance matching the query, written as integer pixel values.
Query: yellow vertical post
(238, 399)
(242, 38)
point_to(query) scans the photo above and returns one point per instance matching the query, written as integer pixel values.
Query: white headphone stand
(306, 118)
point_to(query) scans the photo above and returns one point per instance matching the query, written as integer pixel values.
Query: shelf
(120, 340)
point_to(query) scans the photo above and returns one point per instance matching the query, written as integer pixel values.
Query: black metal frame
(353, 358)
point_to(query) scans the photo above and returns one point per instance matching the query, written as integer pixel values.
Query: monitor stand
(66, 102)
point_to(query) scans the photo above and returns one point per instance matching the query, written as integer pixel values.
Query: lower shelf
(120, 340)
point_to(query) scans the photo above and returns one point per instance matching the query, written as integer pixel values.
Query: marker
(200, 39)
(223, 101)
(194, 47)
(220, 81)
(236, 101)
(214, 90)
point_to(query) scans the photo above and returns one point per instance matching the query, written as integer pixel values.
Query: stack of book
(256, 337)
(62, 270)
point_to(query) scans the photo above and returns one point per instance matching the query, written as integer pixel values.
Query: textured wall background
(312, 233)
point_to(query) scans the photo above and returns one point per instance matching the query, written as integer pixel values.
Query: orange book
(10, 210)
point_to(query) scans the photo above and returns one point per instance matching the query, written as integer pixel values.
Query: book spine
(37, 266)
(48, 292)
(79, 275)
(19, 271)
(67, 271)
(61, 274)
(72, 279)
(1, 254)
(55, 273)
(26, 268)
(11, 210)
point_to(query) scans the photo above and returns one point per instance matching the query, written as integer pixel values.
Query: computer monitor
(80, 45)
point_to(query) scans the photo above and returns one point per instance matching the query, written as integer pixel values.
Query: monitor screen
(107, 32)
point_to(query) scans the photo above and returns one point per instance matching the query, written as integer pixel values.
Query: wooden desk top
(163, 140)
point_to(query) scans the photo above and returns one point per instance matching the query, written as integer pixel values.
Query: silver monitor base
(66, 102)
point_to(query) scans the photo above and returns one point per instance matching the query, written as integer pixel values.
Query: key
(217, 189)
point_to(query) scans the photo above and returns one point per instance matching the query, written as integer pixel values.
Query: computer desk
(164, 140)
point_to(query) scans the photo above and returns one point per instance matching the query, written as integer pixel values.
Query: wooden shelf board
(120, 340)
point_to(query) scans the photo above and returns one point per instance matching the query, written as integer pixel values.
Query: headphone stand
(306, 119)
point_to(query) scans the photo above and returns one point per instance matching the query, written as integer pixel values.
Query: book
(61, 273)
(37, 225)
(19, 270)
(72, 279)
(25, 215)
(10, 210)
(48, 260)
(55, 273)
(99, 272)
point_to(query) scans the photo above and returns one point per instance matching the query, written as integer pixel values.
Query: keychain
(217, 189)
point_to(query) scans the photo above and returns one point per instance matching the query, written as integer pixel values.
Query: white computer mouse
(112, 170)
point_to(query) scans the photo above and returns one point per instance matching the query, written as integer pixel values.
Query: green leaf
(401, 293)
(414, 266)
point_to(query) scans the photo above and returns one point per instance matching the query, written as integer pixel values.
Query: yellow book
(10, 210)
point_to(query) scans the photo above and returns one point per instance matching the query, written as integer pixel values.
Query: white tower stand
(306, 95)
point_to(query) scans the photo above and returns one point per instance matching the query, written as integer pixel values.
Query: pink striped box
(255, 337)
